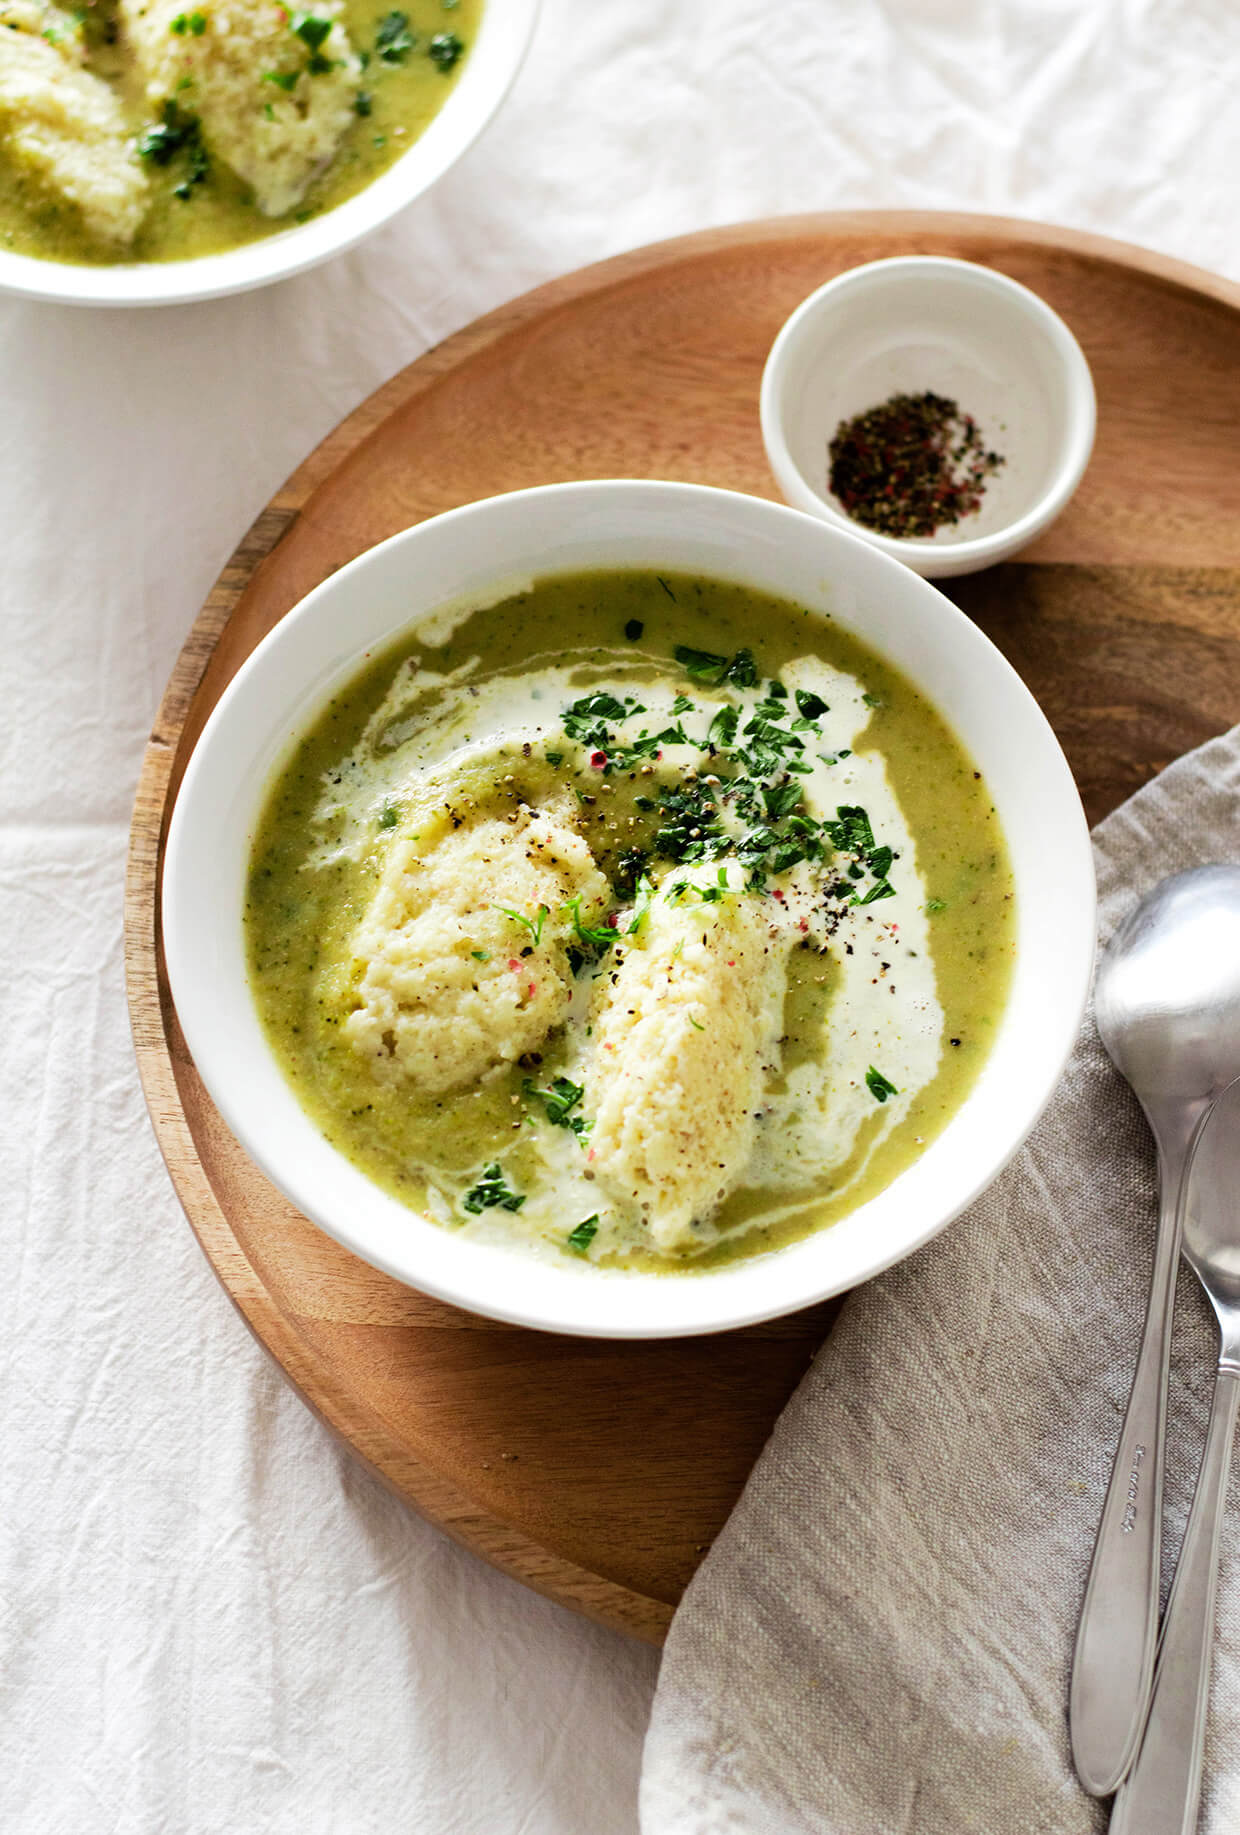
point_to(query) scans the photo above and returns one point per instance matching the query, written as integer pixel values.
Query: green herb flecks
(393, 39)
(703, 666)
(176, 134)
(191, 25)
(312, 29)
(491, 1193)
(559, 1101)
(445, 51)
(880, 1087)
(722, 729)
(596, 937)
(534, 925)
(641, 904)
(689, 827)
(389, 816)
(580, 1238)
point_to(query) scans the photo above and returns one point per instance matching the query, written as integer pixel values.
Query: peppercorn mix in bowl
(935, 408)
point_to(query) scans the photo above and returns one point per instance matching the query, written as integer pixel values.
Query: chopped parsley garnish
(884, 889)
(195, 24)
(587, 720)
(722, 730)
(389, 816)
(879, 1086)
(936, 904)
(641, 904)
(362, 103)
(852, 833)
(393, 39)
(811, 706)
(491, 1193)
(781, 799)
(579, 1239)
(742, 670)
(559, 1101)
(283, 79)
(682, 704)
(176, 133)
(701, 664)
(704, 666)
(711, 895)
(764, 732)
(689, 827)
(480, 955)
(533, 925)
(871, 700)
(445, 50)
(311, 28)
(595, 936)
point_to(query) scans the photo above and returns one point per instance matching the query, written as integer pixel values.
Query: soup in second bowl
(155, 130)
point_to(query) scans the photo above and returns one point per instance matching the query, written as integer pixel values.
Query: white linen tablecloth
(210, 1618)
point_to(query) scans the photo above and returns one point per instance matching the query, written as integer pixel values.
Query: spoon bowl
(1167, 1000)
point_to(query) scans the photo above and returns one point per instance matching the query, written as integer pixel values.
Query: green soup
(672, 820)
(198, 206)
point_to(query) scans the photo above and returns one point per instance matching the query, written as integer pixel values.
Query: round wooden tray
(599, 1472)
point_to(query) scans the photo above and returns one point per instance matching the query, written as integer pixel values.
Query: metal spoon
(1161, 1791)
(1167, 1004)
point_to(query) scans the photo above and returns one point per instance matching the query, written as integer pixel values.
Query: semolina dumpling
(276, 139)
(464, 949)
(63, 126)
(684, 1039)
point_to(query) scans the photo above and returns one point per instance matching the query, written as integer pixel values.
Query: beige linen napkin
(879, 1642)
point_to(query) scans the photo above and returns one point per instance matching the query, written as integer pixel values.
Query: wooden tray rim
(435, 1497)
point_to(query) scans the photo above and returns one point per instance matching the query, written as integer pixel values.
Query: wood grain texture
(597, 1472)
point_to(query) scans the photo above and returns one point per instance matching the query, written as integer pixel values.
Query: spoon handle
(1114, 1657)
(1161, 1791)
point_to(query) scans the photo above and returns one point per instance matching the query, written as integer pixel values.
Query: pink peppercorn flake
(598, 759)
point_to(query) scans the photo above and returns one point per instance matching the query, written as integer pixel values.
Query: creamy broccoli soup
(641, 919)
(155, 130)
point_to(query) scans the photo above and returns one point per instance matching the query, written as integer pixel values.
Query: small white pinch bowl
(490, 70)
(921, 322)
(478, 554)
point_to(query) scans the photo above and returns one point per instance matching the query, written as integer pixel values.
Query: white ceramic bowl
(481, 551)
(924, 322)
(490, 69)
